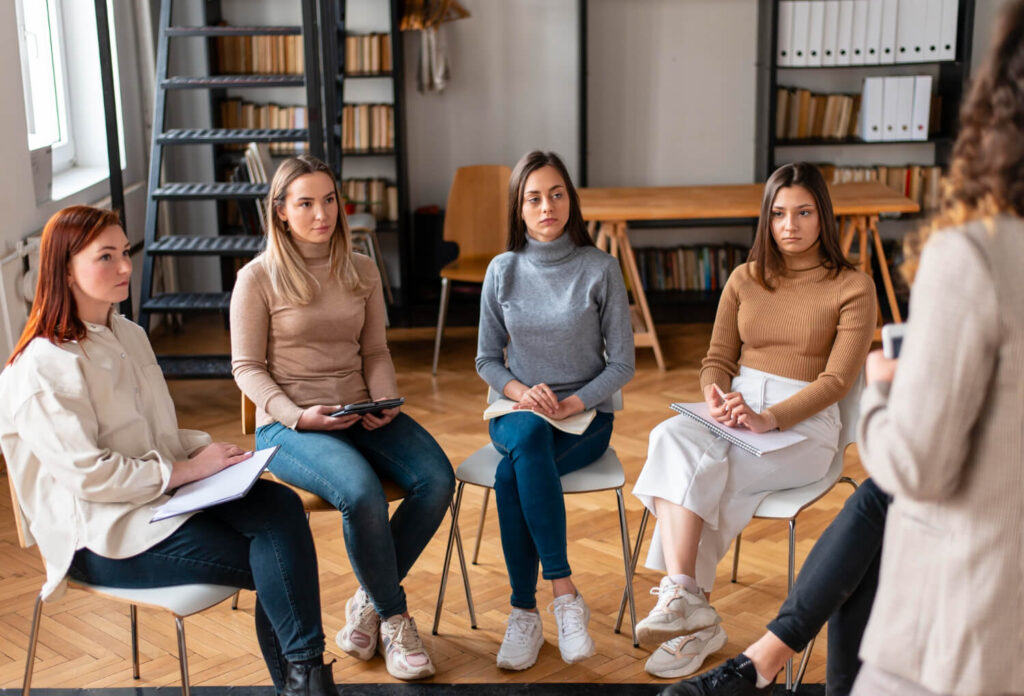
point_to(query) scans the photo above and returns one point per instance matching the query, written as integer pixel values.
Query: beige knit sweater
(330, 351)
(813, 327)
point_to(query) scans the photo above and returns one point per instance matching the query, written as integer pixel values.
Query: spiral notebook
(755, 443)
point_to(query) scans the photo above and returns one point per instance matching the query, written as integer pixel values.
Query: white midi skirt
(689, 466)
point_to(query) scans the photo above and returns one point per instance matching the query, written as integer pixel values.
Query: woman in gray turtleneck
(557, 305)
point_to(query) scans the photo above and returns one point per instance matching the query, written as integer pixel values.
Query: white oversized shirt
(90, 436)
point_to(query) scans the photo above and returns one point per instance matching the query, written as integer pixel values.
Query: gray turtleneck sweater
(560, 310)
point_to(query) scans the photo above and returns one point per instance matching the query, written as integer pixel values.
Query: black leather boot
(310, 680)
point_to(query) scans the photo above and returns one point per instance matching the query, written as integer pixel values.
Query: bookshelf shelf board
(197, 136)
(868, 66)
(368, 153)
(365, 75)
(234, 31)
(224, 81)
(842, 142)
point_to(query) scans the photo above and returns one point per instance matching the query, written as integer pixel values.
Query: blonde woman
(307, 336)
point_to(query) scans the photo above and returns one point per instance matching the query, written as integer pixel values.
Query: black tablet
(374, 407)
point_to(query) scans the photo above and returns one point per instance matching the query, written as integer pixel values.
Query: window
(42, 70)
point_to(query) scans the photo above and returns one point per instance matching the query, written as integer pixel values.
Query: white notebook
(227, 484)
(755, 443)
(575, 425)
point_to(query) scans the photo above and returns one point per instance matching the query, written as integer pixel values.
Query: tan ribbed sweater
(330, 351)
(813, 327)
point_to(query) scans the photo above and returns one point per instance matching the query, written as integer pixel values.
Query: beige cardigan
(947, 440)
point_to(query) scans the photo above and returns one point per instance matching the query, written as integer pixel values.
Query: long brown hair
(986, 175)
(288, 273)
(764, 254)
(531, 162)
(54, 314)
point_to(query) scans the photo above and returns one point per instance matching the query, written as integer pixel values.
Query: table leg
(883, 264)
(645, 335)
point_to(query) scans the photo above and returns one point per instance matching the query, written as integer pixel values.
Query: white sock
(762, 681)
(689, 584)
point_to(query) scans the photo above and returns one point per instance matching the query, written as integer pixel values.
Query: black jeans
(260, 542)
(837, 584)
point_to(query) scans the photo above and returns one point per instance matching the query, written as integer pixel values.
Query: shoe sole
(518, 667)
(589, 652)
(712, 647)
(421, 673)
(353, 650)
(660, 634)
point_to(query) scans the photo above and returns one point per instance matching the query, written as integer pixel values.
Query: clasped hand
(733, 411)
(541, 399)
(320, 418)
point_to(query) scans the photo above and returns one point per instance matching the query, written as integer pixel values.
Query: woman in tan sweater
(307, 335)
(793, 327)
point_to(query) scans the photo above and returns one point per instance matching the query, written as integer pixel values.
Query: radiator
(17, 288)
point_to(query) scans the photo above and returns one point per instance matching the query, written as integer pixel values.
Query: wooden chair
(363, 229)
(476, 219)
(179, 600)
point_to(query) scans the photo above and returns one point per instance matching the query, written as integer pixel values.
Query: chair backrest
(248, 416)
(493, 396)
(477, 214)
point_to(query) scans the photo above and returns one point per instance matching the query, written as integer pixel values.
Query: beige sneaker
(359, 636)
(403, 650)
(684, 655)
(572, 616)
(678, 612)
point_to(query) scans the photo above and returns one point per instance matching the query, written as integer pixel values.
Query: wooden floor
(85, 642)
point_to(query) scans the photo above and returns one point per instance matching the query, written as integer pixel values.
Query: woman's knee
(523, 435)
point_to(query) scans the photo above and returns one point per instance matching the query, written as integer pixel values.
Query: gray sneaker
(678, 612)
(684, 655)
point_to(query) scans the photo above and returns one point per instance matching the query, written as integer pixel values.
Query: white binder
(910, 30)
(828, 36)
(931, 39)
(871, 109)
(905, 107)
(873, 35)
(858, 37)
(801, 20)
(887, 45)
(844, 31)
(947, 30)
(784, 50)
(890, 97)
(922, 107)
(816, 28)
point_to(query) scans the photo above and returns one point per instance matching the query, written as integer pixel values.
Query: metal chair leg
(182, 655)
(627, 562)
(480, 524)
(465, 578)
(736, 557)
(448, 555)
(852, 482)
(632, 567)
(33, 639)
(805, 659)
(133, 613)
(442, 316)
(790, 577)
(234, 600)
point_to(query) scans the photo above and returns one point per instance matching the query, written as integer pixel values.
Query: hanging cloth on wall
(433, 72)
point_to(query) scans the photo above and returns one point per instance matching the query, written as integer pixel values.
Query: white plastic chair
(605, 474)
(179, 600)
(787, 504)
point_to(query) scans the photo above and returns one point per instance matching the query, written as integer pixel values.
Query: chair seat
(602, 475)
(469, 269)
(788, 502)
(182, 600)
(311, 502)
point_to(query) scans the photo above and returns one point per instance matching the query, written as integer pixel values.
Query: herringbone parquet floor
(85, 642)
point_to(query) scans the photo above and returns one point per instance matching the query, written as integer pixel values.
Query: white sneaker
(684, 655)
(572, 617)
(362, 624)
(677, 612)
(402, 648)
(523, 637)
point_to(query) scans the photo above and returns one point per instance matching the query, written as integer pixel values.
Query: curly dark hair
(986, 175)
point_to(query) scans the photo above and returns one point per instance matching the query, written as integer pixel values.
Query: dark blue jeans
(260, 542)
(344, 467)
(531, 511)
(837, 584)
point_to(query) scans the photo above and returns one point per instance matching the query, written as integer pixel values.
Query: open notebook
(755, 443)
(575, 425)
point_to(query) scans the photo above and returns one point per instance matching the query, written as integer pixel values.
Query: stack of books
(703, 268)
(236, 113)
(920, 183)
(379, 197)
(261, 55)
(367, 128)
(367, 54)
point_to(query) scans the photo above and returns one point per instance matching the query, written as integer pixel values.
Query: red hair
(54, 315)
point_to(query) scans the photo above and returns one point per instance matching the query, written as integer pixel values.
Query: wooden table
(857, 207)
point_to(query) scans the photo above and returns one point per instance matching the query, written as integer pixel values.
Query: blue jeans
(344, 467)
(837, 583)
(260, 542)
(531, 511)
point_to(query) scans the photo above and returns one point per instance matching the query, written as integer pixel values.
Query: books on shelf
(367, 54)
(379, 197)
(236, 113)
(801, 114)
(367, 127)
(260, 55)
(919, 183)
(703, 268)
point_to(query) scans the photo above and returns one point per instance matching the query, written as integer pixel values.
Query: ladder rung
(224, 81)
(233, 31)
(243, 245)
(188, 302)
(198, 136)
(220, 190)
(195, 366)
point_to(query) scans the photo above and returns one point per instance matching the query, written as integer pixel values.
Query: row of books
(379, 197)
(236, 113)
(260, 55)
(367, 127)
(865, 32)
(918, 182)
(367, 53)
(688, 267)
(801, 114)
